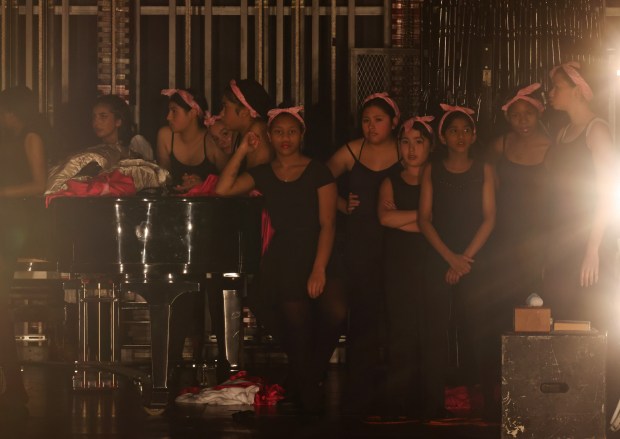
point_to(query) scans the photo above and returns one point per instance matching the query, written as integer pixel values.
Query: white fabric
(225, 396)
(141, 147)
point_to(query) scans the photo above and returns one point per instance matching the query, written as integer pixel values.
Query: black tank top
(14, 167)
(522, 200)
(457, 204)
(178, 169)
(364, 232)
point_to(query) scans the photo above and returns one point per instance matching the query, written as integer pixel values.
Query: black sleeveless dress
(178, 169)
(573, 201)
(521, 229)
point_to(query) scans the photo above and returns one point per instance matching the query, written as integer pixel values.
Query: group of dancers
(436, 238)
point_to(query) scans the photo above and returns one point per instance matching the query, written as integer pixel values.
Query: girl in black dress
(297, 304)
(184, 146)
(456, 215)
(522, 201)
(368, 161)
(405, 256)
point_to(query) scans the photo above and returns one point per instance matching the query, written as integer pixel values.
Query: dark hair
(382, 104)
(20, 101)
(536, 94)
(424, 132)
(120, 110)
(454, 116)
(199, 98)
(254, 94)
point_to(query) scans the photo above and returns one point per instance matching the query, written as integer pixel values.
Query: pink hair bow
(523, 95)
(293, 111)
(386, 98)
(239, 95)
(424, 120)
(570, 68)
(187, 98)
(210, 119)
(449, 109)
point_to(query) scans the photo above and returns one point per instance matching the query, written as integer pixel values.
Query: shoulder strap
(172, 143)
(592, 122)
(359, 157)
(351, 152)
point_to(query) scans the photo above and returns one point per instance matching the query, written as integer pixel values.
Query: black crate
(553, 386)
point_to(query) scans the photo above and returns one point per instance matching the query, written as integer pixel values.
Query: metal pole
(172, 32)
(188, 43)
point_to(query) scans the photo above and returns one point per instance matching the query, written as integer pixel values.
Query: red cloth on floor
(110, 184)
(207, 188)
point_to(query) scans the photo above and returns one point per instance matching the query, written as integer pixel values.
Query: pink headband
(210, 120)
(570, 68)
(523, 95)
(187, 98)
(387, 99)
(450, 109)
(293, 111)
(424, 120)
(237, 92)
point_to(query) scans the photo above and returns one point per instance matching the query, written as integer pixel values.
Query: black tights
(309, 330)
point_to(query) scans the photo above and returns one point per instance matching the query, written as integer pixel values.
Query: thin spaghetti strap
(351, 152)
(359, 158)
(172, 143)
(204, 145)
(591, 124)
(398, 157)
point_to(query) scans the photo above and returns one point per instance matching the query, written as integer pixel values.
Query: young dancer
(405, 257)
(184, 147)
(520, 236)
(368, 160)
(293, 298)
(245, 106)
(456, 215)
(111, 122)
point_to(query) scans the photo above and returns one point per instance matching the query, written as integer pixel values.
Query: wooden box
(553, 386)
(532, 319)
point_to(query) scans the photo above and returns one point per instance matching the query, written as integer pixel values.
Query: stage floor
(58, 411)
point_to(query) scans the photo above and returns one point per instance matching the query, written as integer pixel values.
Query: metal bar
(387, 22)
(3, 43)
(258, 49)
(50, 37)
(295, 19)
(136, 63)
(208, 14)
(188, 43)
(351, 24)
(113, 47)
(172, 33)
(302, 50)
(41, 56)
(266, 44)
(64, 67)
(333, 67)
(279, 50)
(243, 34)
(29, 14)
(315, 51)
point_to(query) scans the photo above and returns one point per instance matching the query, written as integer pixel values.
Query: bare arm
(230, 182)
(338, 164)
(389, 215)
(488, 214)
(459, 263)
(35, 155)
(164, 136)
(327, 220)
(263, 152)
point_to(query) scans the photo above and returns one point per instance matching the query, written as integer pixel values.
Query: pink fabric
(239, 95)
(523, 95)
(293, 111)
(268, 395)
(386, 98)
(187, 98)
(450, 109)
(210, 119)
(570, 68)
(424, 120)
(207, 188)
(110, 184)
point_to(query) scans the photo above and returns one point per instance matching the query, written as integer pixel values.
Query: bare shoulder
(598, 136)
